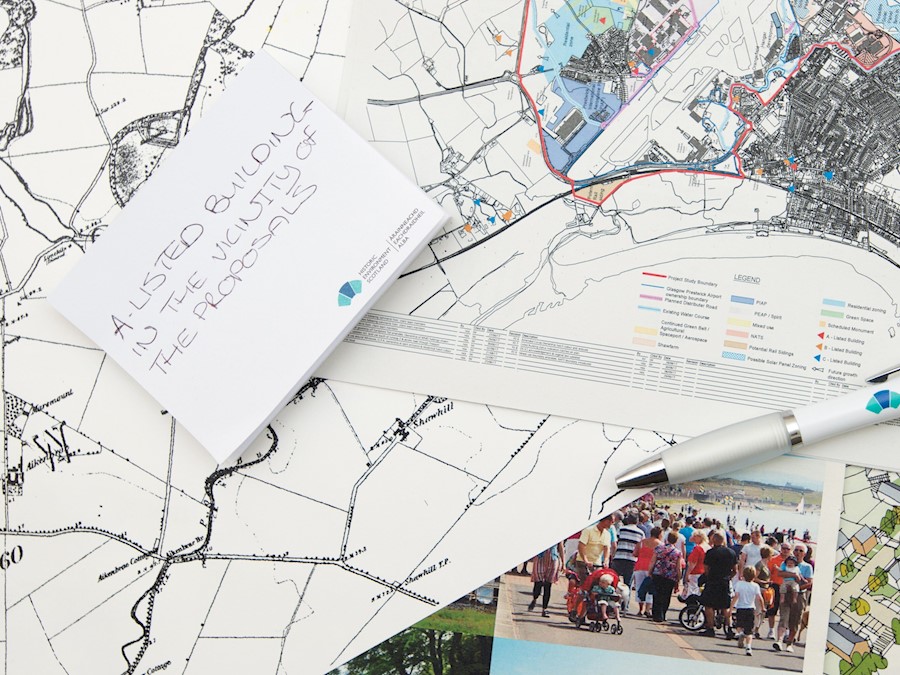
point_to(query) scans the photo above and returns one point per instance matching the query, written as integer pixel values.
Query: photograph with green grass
(455, 640)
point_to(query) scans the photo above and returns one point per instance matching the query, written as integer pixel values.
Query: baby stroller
(583, 604)
(576, 585)
(588, 611)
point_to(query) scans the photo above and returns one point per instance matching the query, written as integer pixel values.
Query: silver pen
(762, 438)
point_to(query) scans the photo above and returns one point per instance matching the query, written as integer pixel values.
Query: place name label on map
(119, 568)
(428, 570)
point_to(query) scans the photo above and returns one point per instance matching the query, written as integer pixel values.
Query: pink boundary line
(653, 71)
(749, 125)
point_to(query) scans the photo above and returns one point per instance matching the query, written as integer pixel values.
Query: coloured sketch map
(864, 624)
(658, 206)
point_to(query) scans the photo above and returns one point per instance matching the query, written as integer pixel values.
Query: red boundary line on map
(749, 125)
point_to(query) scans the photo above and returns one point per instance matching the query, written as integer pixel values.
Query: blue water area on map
(785, 21)
(886, 13)
(595, 106)
(570, 38)
(562, 158)
(558, 157)
(582, 140)
(591, 99)
(570, 35)
(726, 125)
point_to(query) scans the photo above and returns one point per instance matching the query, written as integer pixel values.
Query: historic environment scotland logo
(347, 291)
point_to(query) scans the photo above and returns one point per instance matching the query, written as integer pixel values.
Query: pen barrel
(860, 408)
(735, 446)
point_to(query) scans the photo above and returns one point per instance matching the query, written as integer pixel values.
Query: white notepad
(246, 257)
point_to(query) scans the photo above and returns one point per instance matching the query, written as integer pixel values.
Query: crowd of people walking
(753, 585)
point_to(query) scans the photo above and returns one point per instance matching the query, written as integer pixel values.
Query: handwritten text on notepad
(196, 273)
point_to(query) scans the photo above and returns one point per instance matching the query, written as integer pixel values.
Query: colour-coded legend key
(651, 296)
(650, 299)
(673, 311)
(833, 308)
(735, 321)
(735, 341)
(645, 336)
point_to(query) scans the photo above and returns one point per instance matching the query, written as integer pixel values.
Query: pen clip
(884, 375)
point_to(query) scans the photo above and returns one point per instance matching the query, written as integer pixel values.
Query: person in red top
(775, 580)
(642, 570)
(695, 566)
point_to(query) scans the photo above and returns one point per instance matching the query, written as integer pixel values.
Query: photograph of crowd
(719, 571)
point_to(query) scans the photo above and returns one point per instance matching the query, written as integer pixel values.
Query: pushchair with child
(600, 610)
(577, 584)
(589, 611)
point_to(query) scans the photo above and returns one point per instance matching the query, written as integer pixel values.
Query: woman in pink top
(642, 570)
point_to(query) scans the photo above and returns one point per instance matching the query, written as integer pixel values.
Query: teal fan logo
(348, 291)
(882, 400)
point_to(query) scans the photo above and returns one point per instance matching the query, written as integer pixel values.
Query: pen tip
(646, 474)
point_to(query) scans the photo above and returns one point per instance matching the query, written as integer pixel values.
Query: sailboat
(800, 506)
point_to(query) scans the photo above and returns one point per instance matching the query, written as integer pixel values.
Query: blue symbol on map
(477, 202)
(540, 69)
(492, 219)
(828, 175)
(541, 111)
(818, 357)
(791, 188)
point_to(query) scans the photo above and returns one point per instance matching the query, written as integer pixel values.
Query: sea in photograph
(771, 517)
(784, 493)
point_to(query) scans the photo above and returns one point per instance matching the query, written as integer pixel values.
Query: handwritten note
(246, 257)
(264, 194)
